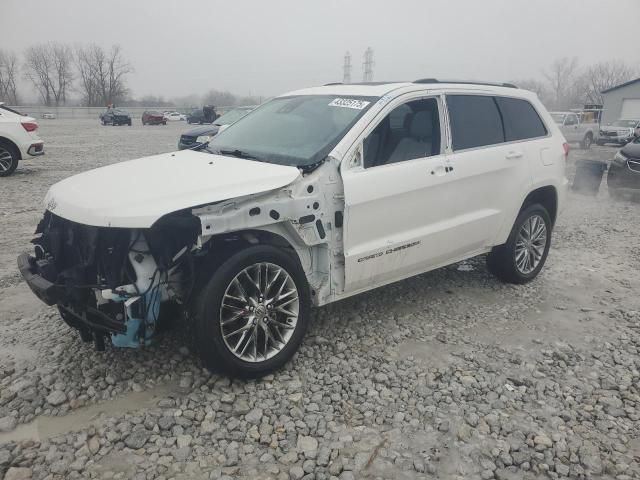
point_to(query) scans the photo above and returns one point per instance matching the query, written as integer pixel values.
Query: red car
(153, 118)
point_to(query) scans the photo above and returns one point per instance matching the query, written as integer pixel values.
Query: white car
(315, 196)
(174, 116)
(575, 129)
(18, 139)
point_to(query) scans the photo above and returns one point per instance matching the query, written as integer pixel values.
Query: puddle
(44, 427)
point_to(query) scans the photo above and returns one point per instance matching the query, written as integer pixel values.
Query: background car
(48, 116)
(153, 117)
(576, 128)
(623, 178)
(114, 116)
(206, 114)
(199, 135)
(174, 116)
(18, 139)
(621, 131)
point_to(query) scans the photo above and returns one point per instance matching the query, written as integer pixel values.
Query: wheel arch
(312, 259)
(547, 196)
(11, 143)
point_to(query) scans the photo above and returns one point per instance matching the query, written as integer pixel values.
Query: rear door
(489, 156)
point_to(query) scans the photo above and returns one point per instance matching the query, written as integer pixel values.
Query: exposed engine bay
(111, 281)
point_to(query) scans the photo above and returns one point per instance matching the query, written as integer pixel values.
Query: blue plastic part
(132, 338)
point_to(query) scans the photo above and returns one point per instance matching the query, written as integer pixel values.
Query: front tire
(522, 257)
(253, 313)
(9, 158)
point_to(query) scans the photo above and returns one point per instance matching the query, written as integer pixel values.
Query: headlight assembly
(619, 158)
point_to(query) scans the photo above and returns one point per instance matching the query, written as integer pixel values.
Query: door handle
(513, 155)
(448, 169)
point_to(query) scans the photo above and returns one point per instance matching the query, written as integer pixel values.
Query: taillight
(566, 150)
(30, 126)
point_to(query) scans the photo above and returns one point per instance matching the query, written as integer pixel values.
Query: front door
(395, 200)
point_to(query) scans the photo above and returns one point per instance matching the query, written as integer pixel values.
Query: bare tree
(536, 86)
(8, 75)
(49, 67)
(87, 59)
(62, 57)
(604, 75)
(218, 98)
(112, 76)
(39, 70)
(102, 75)
(562, 81)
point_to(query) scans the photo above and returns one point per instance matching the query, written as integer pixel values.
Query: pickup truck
(574, 129)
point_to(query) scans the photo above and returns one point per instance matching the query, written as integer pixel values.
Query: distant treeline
(97, 76)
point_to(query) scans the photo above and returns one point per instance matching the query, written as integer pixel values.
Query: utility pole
(346, 76)
(367, 65)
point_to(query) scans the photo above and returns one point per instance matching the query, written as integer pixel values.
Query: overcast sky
(268, 47)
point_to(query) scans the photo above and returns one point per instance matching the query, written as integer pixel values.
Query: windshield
(232, 116)
(625, 123)
(558, 118)
(297, 131)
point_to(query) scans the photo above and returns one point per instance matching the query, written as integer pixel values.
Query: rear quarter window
(475, 121)
(521, 120)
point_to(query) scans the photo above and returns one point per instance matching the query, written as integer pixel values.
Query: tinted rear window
(475, 121)
(521, 121)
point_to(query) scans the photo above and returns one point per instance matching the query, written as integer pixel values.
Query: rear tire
(522, 257)
(217, 322)
(586, 142)
(9, 158)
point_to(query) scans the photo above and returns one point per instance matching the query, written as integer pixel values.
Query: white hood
(136, 193)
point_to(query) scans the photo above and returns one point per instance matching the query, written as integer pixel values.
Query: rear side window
(521, 121)
(475, 121)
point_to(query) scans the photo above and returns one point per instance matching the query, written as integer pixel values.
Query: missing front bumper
(81, 317)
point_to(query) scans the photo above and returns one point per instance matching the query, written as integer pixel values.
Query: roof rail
(465, 82)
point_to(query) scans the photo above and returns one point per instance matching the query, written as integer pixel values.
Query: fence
(94, 112)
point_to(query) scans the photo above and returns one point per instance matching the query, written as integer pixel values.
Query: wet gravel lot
(449, 375)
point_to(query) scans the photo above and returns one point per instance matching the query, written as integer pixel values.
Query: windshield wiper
(237, 153)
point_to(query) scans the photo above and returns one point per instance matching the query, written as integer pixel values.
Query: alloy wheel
(6, 159)
(259, 312)
(530, 244)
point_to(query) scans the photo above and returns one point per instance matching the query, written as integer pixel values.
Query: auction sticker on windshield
(349, 103)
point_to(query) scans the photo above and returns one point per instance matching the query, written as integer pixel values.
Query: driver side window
(409, 131)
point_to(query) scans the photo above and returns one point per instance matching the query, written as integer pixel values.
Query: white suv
(315, 196)
(18, 139)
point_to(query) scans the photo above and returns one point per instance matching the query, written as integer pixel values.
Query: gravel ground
(447, 375)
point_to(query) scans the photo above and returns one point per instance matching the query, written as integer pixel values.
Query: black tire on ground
(600, 142)
(9, 158)
(586, 142)
(501, 261)
(129, 123)
(209, 337)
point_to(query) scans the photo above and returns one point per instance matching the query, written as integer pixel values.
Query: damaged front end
(112, 281)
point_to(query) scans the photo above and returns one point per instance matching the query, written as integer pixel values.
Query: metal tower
(367, 65)
(346, 76)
